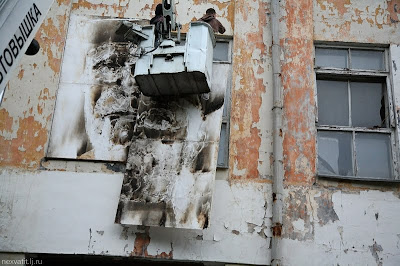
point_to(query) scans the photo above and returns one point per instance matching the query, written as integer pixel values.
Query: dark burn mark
(205, 223)
(203, 209)
(82, 149)
(134, 184)
(187, 213)
(121, 205)
(376, 216)
(163, 219)
(203, 160)
(152, 133)
(96, 93)
(211, 105)
(157, 120)
(79, 132)
(105, 31)
(154, 213)
(116, 167)
(134, 103)
(114, 62)
(124, 234)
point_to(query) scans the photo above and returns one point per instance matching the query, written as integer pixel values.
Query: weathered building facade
(63, 204)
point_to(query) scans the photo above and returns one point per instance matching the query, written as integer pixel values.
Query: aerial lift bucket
(174, 69)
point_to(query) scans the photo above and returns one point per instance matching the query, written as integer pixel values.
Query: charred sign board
(172, 161)
(170, 144)
(173, 157)
(97, 98)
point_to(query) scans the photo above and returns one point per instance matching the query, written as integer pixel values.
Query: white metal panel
(19, 22)
(200, 48)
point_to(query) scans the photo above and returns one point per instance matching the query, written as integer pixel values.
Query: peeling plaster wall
(342, 227)
(26, 111)
(251, 116)
(329, 222)
(68, 218)
(357, 21)
(298, 91)
(187, 11)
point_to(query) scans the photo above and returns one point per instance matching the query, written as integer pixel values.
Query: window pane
(331, 58)
(373, 155)
(221, 51)
(335, 153)
(367, 105)
(223, 147)
(367, 59)
(333, 99)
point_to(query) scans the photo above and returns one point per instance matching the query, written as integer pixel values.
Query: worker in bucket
(209, 17)
(158, 21)
(159, 15)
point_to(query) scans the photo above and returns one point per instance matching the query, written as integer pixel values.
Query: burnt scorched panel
(172, 160)
(97, 99)
(168, 184)
(85, 126)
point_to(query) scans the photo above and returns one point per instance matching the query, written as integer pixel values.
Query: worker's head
(210, 11)
(159, 9)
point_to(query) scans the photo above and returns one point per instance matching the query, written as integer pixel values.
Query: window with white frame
(355, 121)
(223, 66)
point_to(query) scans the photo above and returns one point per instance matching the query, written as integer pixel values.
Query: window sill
(362, 179)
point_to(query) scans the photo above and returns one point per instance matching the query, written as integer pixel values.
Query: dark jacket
(156, 19)
(214, 23)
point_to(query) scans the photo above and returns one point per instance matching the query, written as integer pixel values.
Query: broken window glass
(335, 153)
(354, 126)
(367, 105)
(333, 102)
(367, 59)
(373, 155)
(336, 58)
